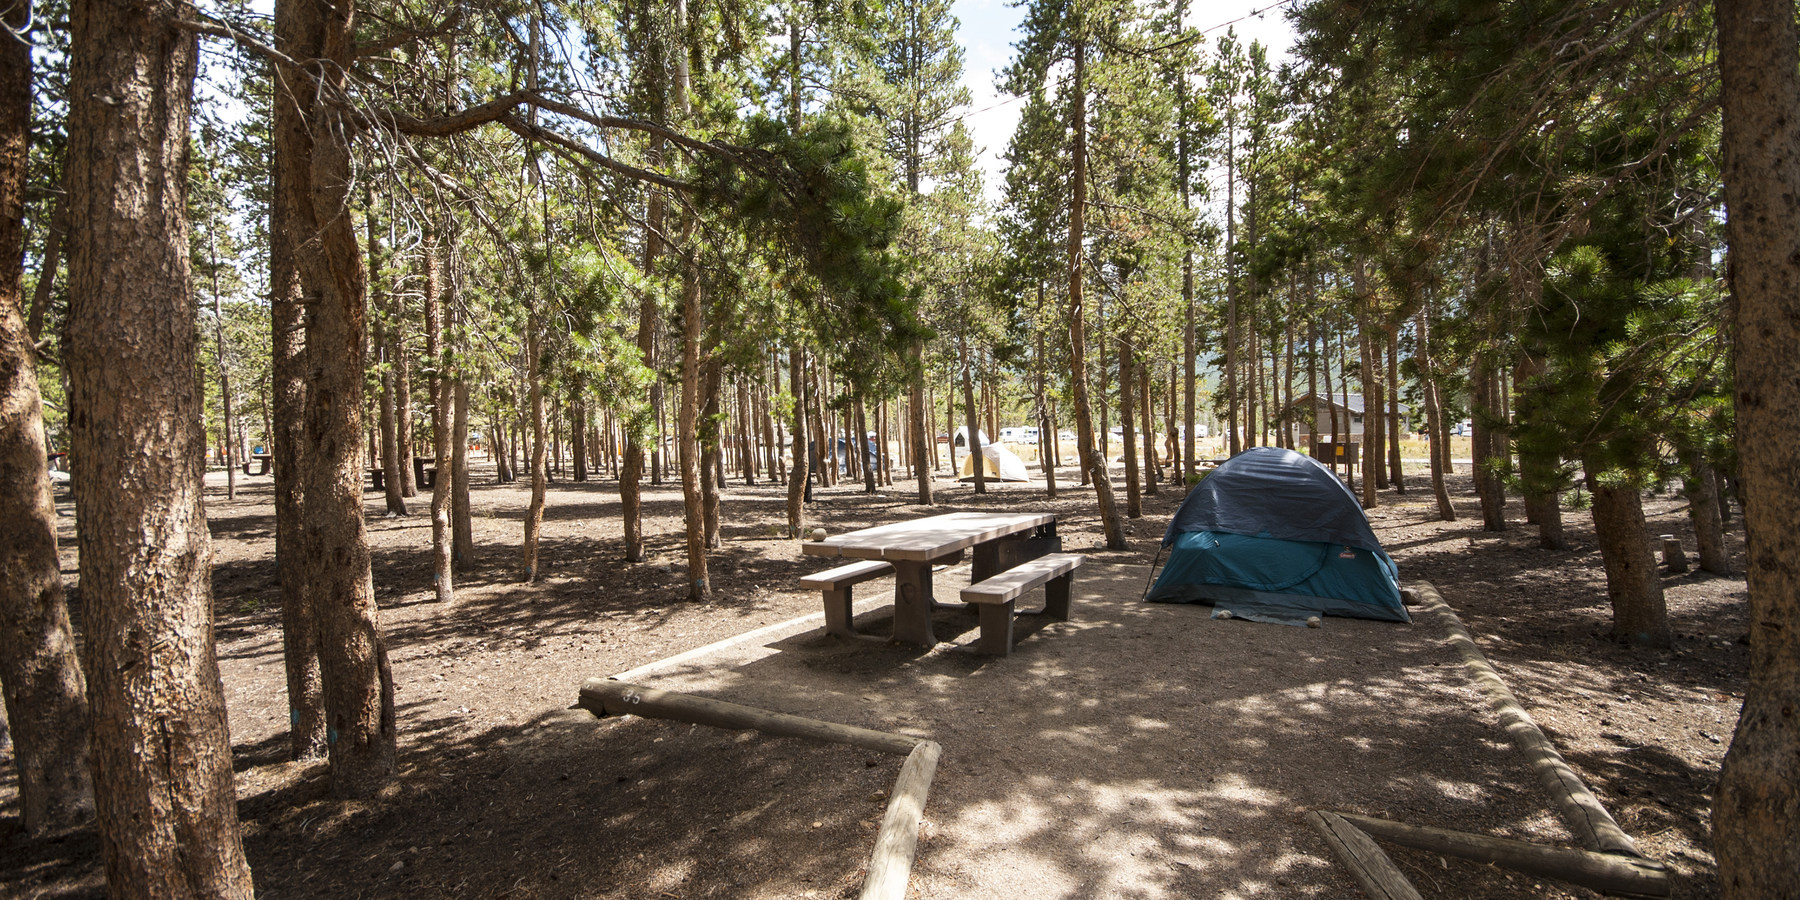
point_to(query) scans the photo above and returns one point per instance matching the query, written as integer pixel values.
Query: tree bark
(54, 238)
(1373, 477)
(403, 420)
(1757, 814)
(1702, 489)
(1046, 426)
(687, 435)
(860, 447)
(1640, 615)
(443, 573)
(1488, 484)
(631, 475)
(298, 34)
(388, 352)
(358, 684)
(972, 421)
(578, 429)
(1187, 466)
(1395, 468)
(46, 695)
(1152, 467)
(540, 464)
(1434, 415)
(712, 470)
(462, 523)
(1134, 497)
(1092, 462)
(797, 490)
(1540, 472)
(165, 802)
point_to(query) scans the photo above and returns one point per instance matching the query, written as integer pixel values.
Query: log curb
(896, 844)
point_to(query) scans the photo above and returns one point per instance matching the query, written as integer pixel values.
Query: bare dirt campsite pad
(1139, 750)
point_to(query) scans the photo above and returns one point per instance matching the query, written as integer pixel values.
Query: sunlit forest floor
(1139, 750)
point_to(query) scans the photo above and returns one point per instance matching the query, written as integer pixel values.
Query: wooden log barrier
(1371, 867)
(896, 844)
(1580, 809)
(603, 697)
(1607, 872)
(890, 866)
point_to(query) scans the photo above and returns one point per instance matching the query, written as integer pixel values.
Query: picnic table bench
(266, 459)
(1000, 542)
(995, 596)
(423, 478)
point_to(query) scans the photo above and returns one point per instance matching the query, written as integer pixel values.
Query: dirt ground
(1137, 751)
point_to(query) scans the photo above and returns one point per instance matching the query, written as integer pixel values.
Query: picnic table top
(928, 538)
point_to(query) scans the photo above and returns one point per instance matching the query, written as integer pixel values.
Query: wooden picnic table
(913, 547)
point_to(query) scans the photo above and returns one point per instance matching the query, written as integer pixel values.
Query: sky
(988, 28)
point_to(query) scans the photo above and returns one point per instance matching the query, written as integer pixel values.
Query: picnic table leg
(838, 613)
(1056, 597)
(912, 603)
(996, 629)
(986, 563)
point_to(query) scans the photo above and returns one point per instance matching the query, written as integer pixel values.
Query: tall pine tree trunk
(797, 489)
(358, 684)
(1540, 470)
(1046, 426)
(1395, 473)
(462, 525)
(403, 420)
(1092, 462)
(540, 446)
(1187, 466)
(387, 352)
(631, 475)
(859, 447)
(1434, 415)
(443, 573)
(712, 472)
(1702, 488)
(298, 34)
(46, 696)
(165, 801)
(687, 436)
(1640, 615)
(1152, 466)
(1134, 498)
(972, 421)
(1489, 485)
(1757, 814)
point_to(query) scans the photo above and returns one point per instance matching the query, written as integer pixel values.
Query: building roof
(1351, 402)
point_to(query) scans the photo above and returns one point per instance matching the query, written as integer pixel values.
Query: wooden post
(1672, 556)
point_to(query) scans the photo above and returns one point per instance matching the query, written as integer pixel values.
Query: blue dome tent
(1273, 536)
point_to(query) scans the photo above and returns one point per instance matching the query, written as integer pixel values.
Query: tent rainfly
(1272, 536)
(1002, 465)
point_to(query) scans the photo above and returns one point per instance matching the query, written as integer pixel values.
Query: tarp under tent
(1002, 465)
(1273, 536)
